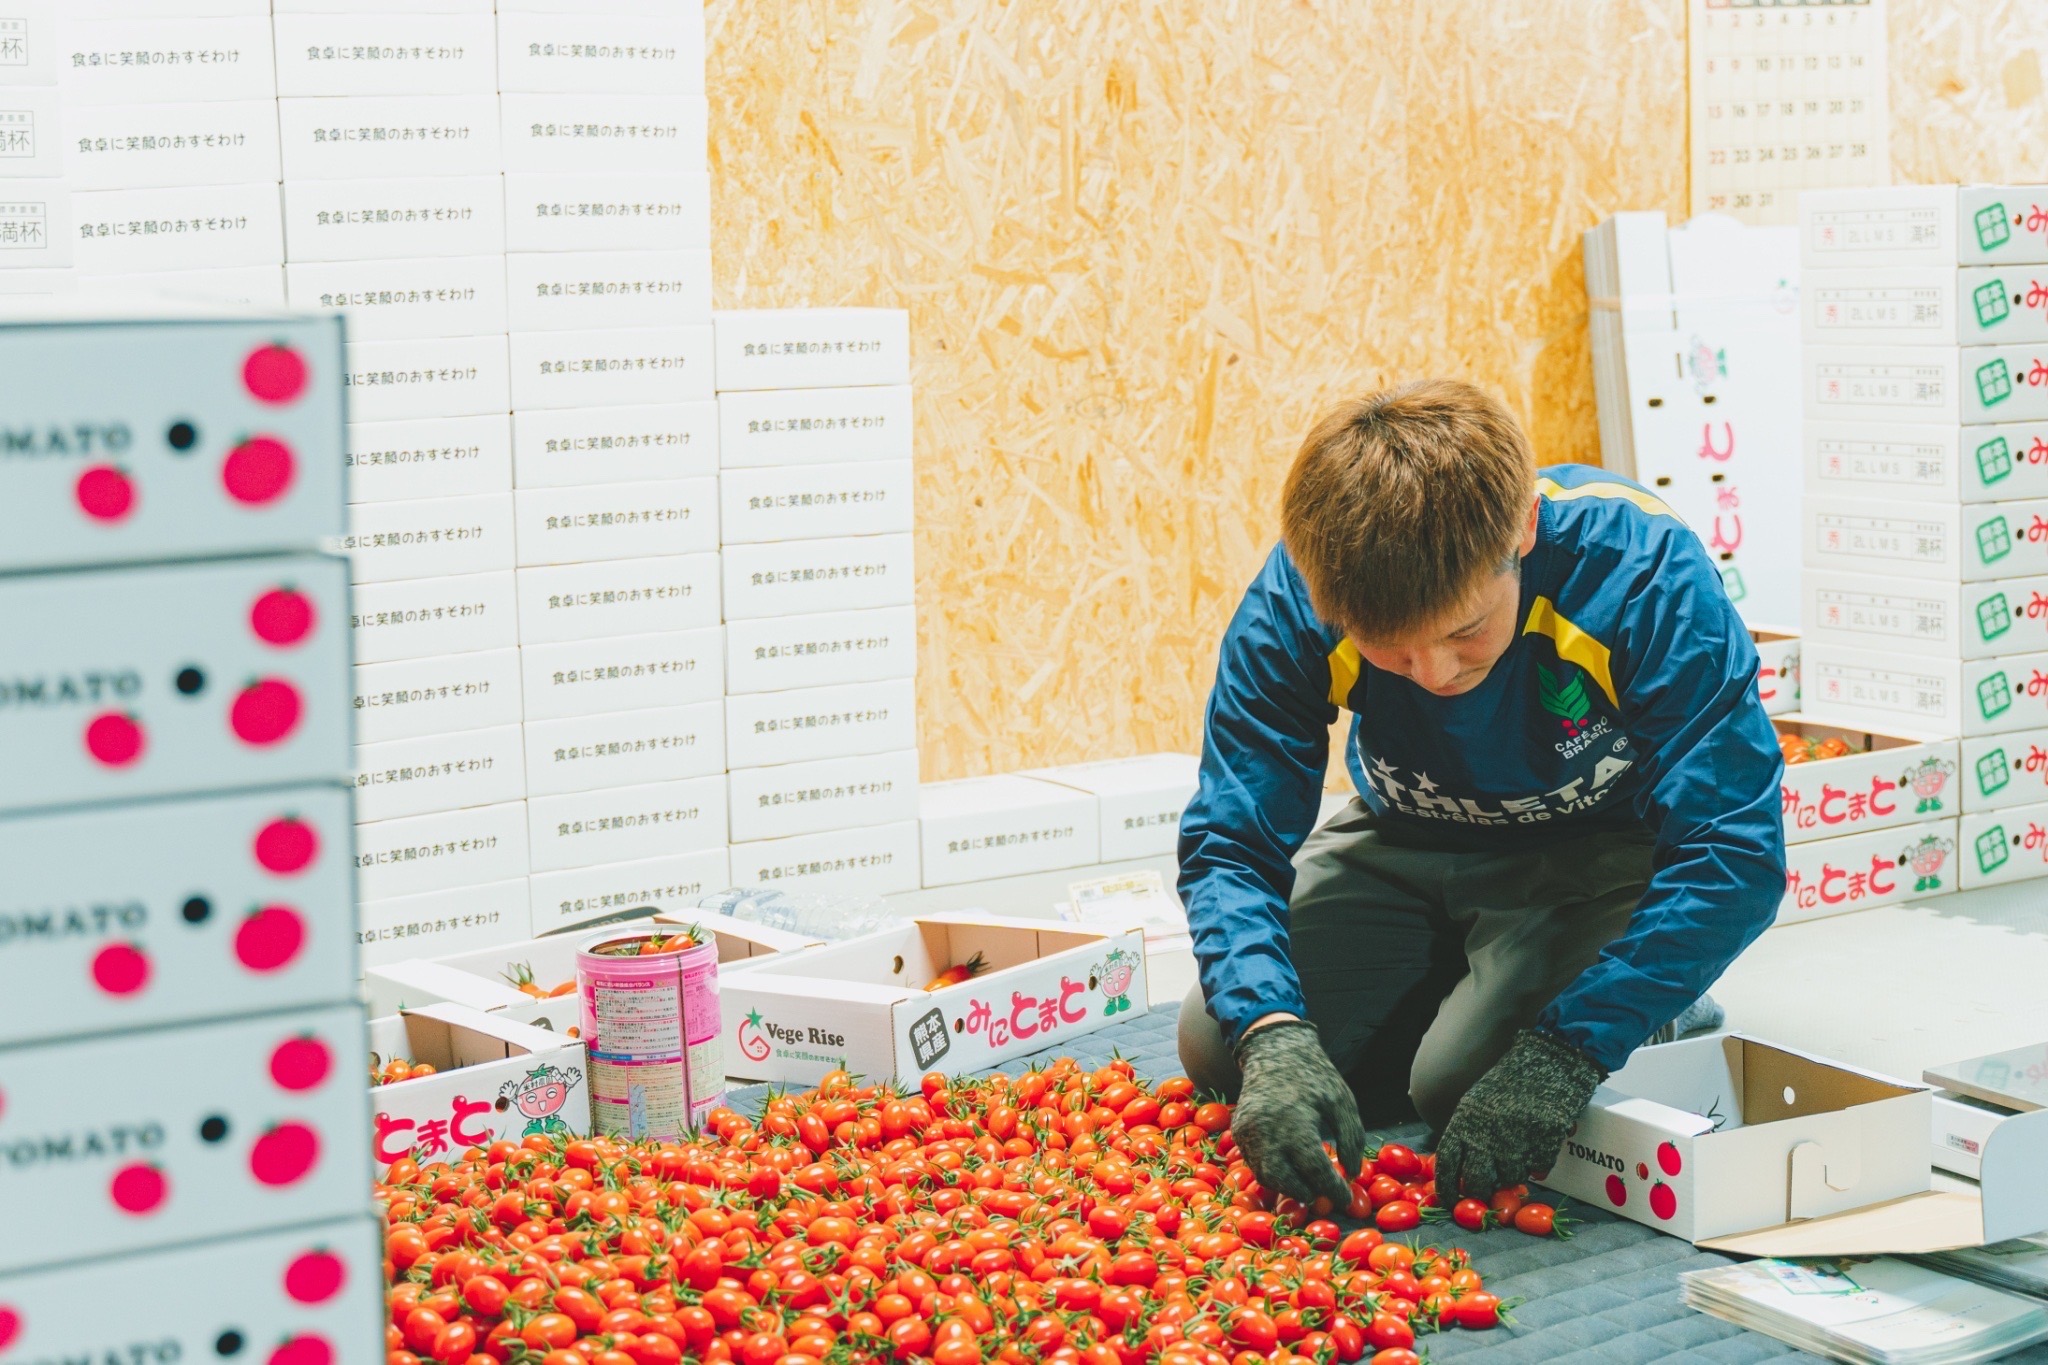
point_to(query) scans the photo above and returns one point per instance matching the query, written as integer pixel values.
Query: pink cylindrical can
(651, 1025)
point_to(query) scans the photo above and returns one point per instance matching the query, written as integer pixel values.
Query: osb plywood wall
(1144, 242)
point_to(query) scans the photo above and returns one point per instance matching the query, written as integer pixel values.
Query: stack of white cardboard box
(183, 1050)
(816, 493)
(35, 205)
(1925, 591)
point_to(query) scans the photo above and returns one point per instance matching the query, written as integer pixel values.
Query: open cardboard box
(1884, 780)
(1777, 674)
(861, 1004)
(484, 980)
(493, 1078)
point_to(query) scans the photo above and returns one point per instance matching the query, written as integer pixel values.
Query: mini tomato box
(1710, 1136)
(493, 1078)
(138, 916)
(1863, 871)
(142, 1140)
(311, 1293)
(1777, 673)
(576, 898)
(131, 683)
(1880, 781)
(2007, 845)
(133, 438)
(2005, 770)
(864, 1004)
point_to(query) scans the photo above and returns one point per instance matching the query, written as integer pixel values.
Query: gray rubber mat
(1608, 1294)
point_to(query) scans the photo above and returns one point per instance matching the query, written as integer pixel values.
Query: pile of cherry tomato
(1800, 749)
(399, 1069)
(1063, 1216)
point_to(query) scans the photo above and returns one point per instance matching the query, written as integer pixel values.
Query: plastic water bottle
(827, 918)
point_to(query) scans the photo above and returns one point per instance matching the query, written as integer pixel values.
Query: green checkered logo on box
(1991, 851)
(1994, 383)
(1994, 540)
(1992, 307)
(1994, 617)
(1994, 696)
(1992, 229)
(1993, 772)
(1994, 460)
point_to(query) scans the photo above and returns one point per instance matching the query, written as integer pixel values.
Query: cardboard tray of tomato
(1841, 780)
(485, 1077)
(534, 981)
(1067, 1216)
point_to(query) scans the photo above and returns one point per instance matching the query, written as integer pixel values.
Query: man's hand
(1292, 1096)
(1514, 1119)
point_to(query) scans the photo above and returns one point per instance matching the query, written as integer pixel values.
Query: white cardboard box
(862, 1005)
(1141, 799)
(580, 446)
(2005, 383)
(420, 619)
(428, 773)
(623, 673)
(480, 1059)
(659, 54)
(424, 853)
(453, 920)
(805, 502)
(1864, 871)
(597, 212)
(627, 824)
(371, 220)
(203, 227)
(1904, 539)
(2005, 770)
(2006, 845)
(393, 381)
(814, 426)
(617, 521)
(163, 680)
(214, 1131)
(1001, 826)
(1885, 781)
(805, 578)
(33, 132)
(444, 695)
(838, 721)
(1927, 464)
(1908, 384)
(825, 794)
(672, 886)
(389, 137)
(429, 457)
(394, 52)
(156, 9)
(1859, 687)
(876, 860)
(1726, 1134)
(625, 748)
(360, 6)
(30, 29)
(606, 131)
(428, 538)
(654, 7)
(36, 226)
(812, 348)
(252, 286)
(1925, 306)
(314, 1283)
(487, 979)
(2006, 693)
(1944, 620)
(566, 291)
(777, 653)
(1906, 225)
(622, 366)
(619, 597)
(1778, 668)
(161, 60)
(215, 906)
(410, 300)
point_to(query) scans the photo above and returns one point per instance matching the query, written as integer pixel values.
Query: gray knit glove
(1515, 1118)
(1291, 1100)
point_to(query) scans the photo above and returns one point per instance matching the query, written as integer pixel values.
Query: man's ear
(1529, 531)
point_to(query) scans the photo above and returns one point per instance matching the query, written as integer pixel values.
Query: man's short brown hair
(1402, 502)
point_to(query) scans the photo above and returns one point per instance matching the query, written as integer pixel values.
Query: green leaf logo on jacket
(1564, 696)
